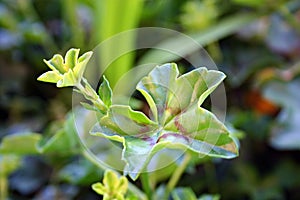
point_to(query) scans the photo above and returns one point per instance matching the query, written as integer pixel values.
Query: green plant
(173, 101)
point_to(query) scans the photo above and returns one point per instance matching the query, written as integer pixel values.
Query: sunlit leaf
(105, 92)
(174, 100)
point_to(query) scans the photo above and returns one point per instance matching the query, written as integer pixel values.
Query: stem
(90, 94)
(177, 174)
(3, 187)
(146, 185)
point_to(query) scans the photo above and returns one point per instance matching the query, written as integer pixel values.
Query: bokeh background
(255, 42)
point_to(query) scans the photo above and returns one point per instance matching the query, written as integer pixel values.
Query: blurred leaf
(180, 45)
(31, 176)
(281, 37)
(184, 194)
(64, 141)
(20, 144)
(209, 197)
(8, 164)
(252, 3)
(81, 172)
(199, 15)
(109, 25)
(286, 133)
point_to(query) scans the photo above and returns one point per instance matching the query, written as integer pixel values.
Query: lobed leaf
(174, 100)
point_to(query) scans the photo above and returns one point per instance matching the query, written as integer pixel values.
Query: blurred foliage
(256, 43)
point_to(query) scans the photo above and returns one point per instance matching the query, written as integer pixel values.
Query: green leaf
(8, 164)
(20, 144)
(113, 187)
(125, 121)
(183, 46)
(174, 100)
(71, 58)
(209, 197)
(167, 94)
(183, 194)
(105, 92)
(56, 63)
(63, 141)
(51, 76)
(66, 72)
(81, 65)
(80, 171)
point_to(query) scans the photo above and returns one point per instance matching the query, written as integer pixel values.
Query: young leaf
(66, 72)
(174, 100)
(105, 92)
(112, 187)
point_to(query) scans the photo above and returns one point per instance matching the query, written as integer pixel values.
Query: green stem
(146, 185)
(90, 94)
(3, 187)
(177, 174)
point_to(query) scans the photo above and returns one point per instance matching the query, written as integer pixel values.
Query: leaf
(51, 76)
(174, 100)
(8, 164)
(105, 92)
(185, 45)
(80, 171)
(20, 144)
(66, 72)
(209, 197)
(64, 141)
(71, 59)
(113, 187)
(285, 134)
(183, 194)
(125, 121)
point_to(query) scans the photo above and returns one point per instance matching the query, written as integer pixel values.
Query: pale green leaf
(174, 100)
(125, 121)
(71, 58)
(67, 80)
(81, 65)
(105, 92)
(56, 63)
(99, 188)
(111, 180)
(8, 164)
(20, 144)
(51, 76)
